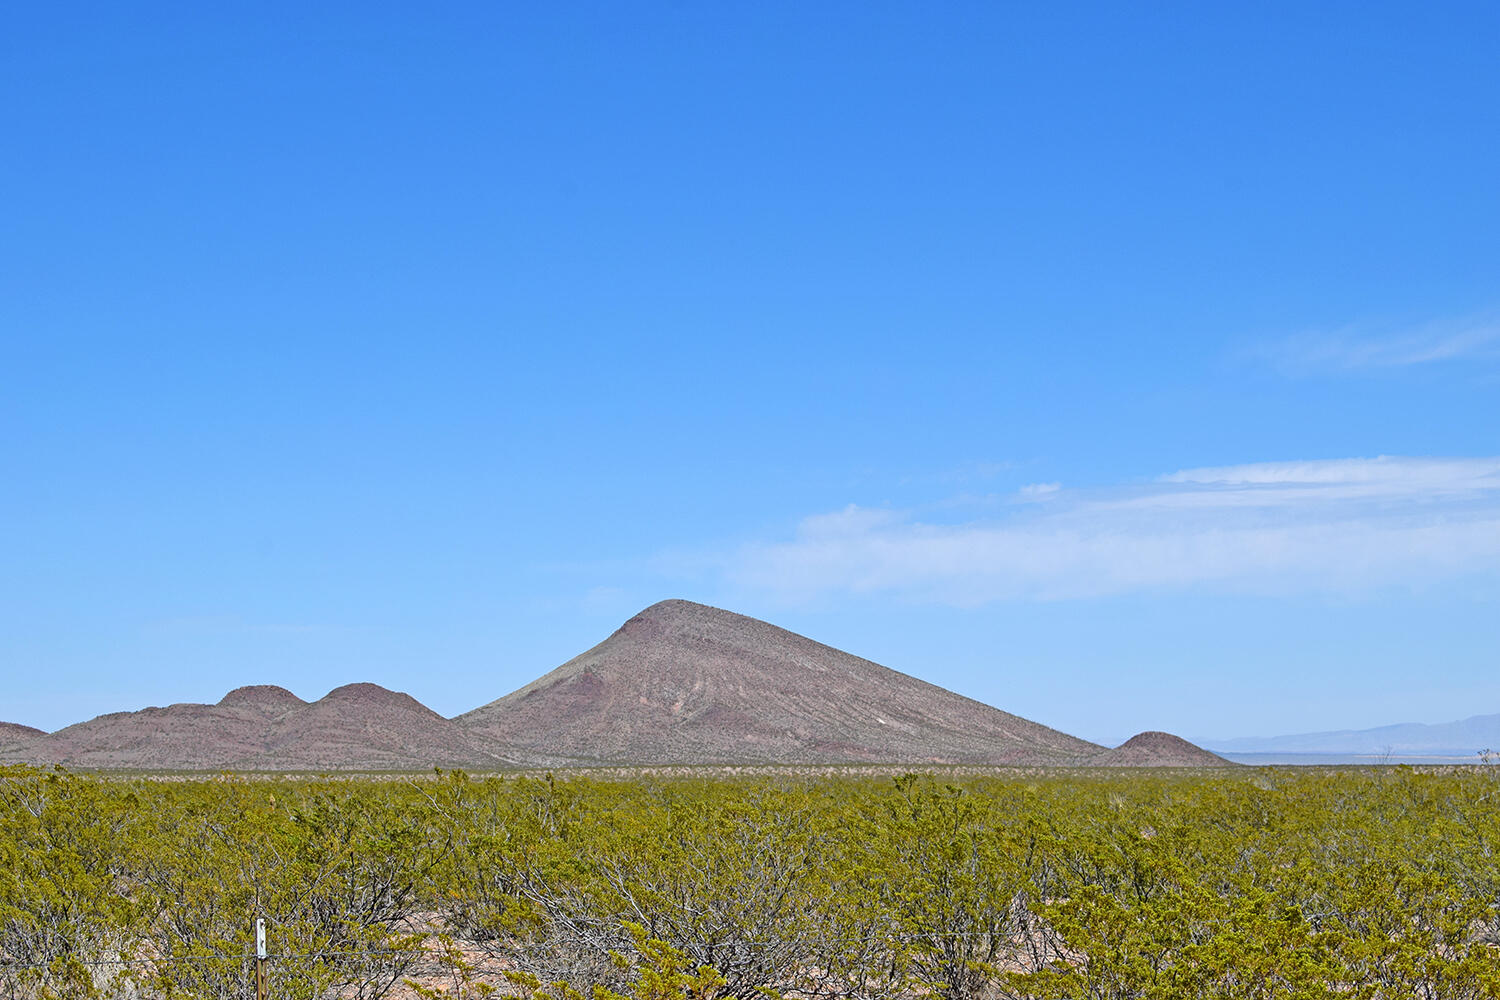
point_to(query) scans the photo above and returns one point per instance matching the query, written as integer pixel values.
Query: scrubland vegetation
(1244, 884)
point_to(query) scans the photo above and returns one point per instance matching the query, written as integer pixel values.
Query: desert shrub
(1380, 883)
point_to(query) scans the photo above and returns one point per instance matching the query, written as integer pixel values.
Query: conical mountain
(683, 683)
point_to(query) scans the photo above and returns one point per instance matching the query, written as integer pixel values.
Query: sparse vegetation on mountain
(683, 683)
(267, 728)
(17, 742)
(1157, 749)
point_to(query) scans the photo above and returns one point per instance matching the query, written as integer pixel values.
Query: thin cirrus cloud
(1336, 526)
(1353, 350)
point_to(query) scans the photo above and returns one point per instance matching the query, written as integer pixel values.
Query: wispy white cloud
(1354, 349)
(1385, 473)
(1342, 525)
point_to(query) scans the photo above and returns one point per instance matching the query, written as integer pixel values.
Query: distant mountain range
(1464, 738)
(678, 684)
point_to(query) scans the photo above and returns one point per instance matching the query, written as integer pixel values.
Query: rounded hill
(1158, 749)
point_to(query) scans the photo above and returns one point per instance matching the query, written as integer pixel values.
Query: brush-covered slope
(683, 683)
(361, 726)
(1157, 749)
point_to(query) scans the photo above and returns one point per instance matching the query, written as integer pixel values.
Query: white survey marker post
(260, 958)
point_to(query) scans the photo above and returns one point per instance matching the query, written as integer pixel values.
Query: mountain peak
(674, 607)
(676, 612)
(365, 695)
(261, 696)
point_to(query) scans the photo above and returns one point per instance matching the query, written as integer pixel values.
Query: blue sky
(1048, 352)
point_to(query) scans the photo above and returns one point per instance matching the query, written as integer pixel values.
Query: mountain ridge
(1462, 737)
(263, 727)
(679, 683)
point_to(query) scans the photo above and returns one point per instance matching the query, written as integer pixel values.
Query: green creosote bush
(1375, 883)
(657, 971)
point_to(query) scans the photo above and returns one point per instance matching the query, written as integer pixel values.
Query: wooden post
(260, 958)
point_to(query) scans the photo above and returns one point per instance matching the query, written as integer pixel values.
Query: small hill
(684, 683)
(263, 727)
(1156, 749)
(17, 740)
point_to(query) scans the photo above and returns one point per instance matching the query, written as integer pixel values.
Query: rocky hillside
(360, 726)
(17, 740)
(683, 683)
